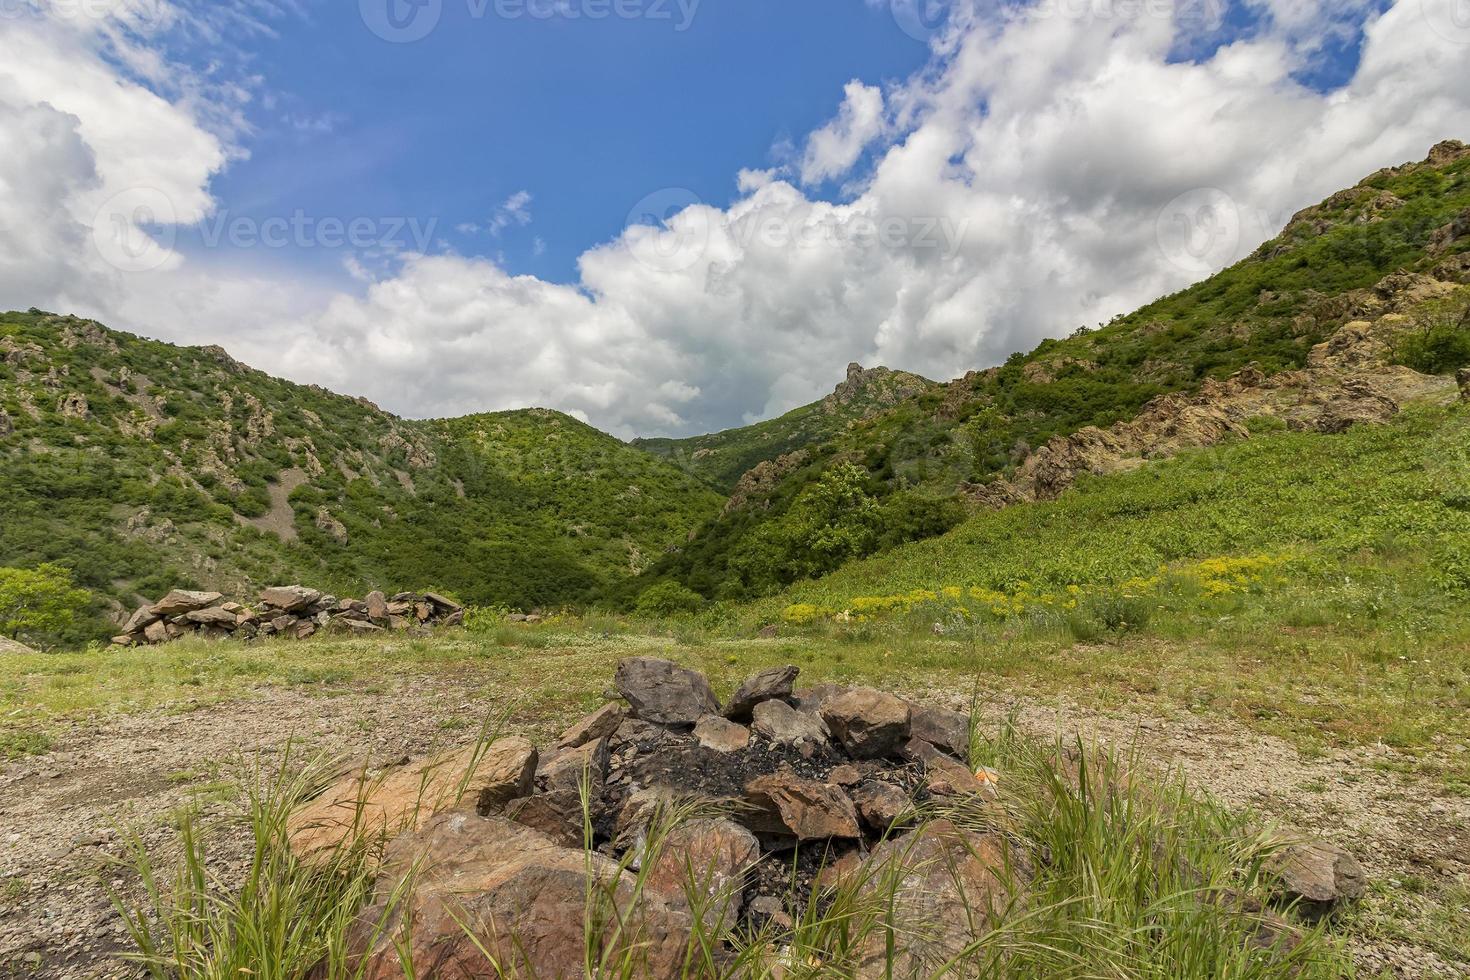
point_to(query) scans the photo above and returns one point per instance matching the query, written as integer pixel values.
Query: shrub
(668, 599)
(43, 601)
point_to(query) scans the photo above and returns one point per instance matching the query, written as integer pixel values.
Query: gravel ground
(59, 812)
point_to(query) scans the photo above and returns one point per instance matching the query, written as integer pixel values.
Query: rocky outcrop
(760, 481)
(1348, 381)
(291, 611)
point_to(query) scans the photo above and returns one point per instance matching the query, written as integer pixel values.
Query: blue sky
(587, 117)
(859, 184)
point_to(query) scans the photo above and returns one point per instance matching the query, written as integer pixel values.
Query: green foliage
(42, 601)
(1439, 343)
(668, 599)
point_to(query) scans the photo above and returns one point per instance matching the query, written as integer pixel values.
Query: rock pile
(786, 796)
(289, 610)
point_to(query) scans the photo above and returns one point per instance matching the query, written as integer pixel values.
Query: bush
(40, 602)
(1440, 344)
(668, 599)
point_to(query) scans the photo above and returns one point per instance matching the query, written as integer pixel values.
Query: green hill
(723, 458)
(1396, 245)
(144, 466)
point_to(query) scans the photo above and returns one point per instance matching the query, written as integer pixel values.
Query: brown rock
(377, 605)
(556, 815)
(775, 682)
(946, 886)
(487, 885)
(213, 616)
(845, 775)
(836, 874)
(141, 620)
(485, 778)
(1317, 877)
(787, 805)
(946, 730)
(442, 604)
(564, 770)
(719, 735)
(784, 725)
(157, 632)
(289, 598)
(180, 601)
(701, 867)
(944, 774)
(868, 724)
(599, 724)
(13, 647)
(882, 805)
(663, 692)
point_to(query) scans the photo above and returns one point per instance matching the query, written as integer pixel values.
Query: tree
(43, 600)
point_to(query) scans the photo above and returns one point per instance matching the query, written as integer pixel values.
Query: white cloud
(833, 150)
(1024, 183)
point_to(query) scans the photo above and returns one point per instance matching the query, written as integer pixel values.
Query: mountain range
(146, 466)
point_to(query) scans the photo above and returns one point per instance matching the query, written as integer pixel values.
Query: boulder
(784, 805)
(663, 692)
(213, 616)
(721, 735)
(599, 724)
(946, 885)
(557, 815)
(181, 601)
(157, 632)
(563, 770)
(473, 778)
(701, 867)
(881, 805)
(377, 606)
(441, 603)
(1316, 877)
(868, 724)
(784, 725)
(493, 898)
(141, 620)
(13, 647)
(768, 685)
(289, 598)
(942, 728)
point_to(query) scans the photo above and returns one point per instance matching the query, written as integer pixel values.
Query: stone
(767, 685)
(942, 728)
(881, 805)
(1316, 877)
(1462, 378)
(601, 723)
(181, 601)
(13, 647)
(359, 626)
(480, 778)
(140, 620)
(213, 616)
(493, 898)
(944, 774)
(305, 630)
(837, 873)
(156, 632)
(289, 598)
(721, 735)
(282, 623)
(947, 886)
(868, 724)
(124, 640)
(784, 725)
(785, 805)
(377, 606)
(663, 692)
(701, 867)
(845, 775)
(454, 619)
(556, 815)
(563, 770)
(441, 603)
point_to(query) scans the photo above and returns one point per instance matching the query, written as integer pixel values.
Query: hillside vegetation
(143, 466)
(1395, 245)
(722, 458)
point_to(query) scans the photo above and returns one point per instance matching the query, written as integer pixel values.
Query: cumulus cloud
(1053, 166)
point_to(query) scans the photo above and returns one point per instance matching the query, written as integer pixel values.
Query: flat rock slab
(601, 723)
(181, 601)
(289, 598)
(782, 724)
(356, 805)
(786, 805)
(661, 691)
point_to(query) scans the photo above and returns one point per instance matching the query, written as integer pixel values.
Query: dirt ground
(59, 813)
